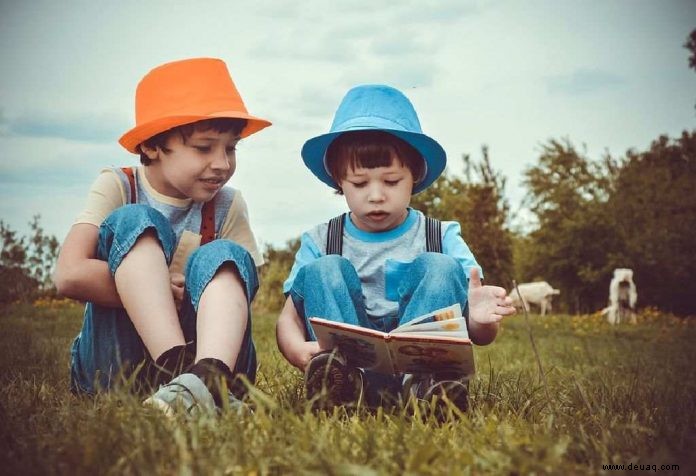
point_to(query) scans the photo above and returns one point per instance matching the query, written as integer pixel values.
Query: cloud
(395, 43)
(401, 72)
(437, 11)
(88, 128)
(583, 81)
(54, 162)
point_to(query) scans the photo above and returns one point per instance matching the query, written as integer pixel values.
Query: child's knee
(126, 225)
(331, 270)
(437, 264)
(137, 214)
(330, 265)
(220, 256)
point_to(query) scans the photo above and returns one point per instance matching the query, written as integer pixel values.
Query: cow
(622, 297)
(538, 293)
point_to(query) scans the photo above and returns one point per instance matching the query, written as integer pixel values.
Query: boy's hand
(177, 283)
(487, 304)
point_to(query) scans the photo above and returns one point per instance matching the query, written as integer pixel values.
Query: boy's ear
(152, 153)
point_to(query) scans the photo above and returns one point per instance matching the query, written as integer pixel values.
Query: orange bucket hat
(183, 92)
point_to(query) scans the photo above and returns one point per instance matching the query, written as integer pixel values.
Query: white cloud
(477, 72)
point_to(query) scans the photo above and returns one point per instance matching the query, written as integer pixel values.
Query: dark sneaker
(330, 381)
(438, 391)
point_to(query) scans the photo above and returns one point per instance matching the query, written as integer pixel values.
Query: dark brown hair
(223, 124)
(371, 149)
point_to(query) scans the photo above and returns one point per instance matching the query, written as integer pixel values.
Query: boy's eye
(359, 184)
(202, 148)
(231, 149)
(392, 183)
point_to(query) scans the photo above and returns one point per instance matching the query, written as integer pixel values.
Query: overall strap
(131, 180)
(433, 235)
(207, 230)
(208, 221)
(334, 236)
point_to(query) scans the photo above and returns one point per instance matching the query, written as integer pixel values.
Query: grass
(617, 395)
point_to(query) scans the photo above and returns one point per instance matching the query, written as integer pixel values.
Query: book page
(446, 313)
(412, 354)
(362, 347)
(446, 321)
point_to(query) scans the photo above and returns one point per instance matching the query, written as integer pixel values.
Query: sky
(607, 75)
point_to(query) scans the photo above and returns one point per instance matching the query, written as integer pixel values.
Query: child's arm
(487, 307)
(290, 335)
(79, 275)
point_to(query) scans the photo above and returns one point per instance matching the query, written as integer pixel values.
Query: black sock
(217, 377)
(171, 363)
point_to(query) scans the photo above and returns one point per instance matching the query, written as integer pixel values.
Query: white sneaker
(185, 394)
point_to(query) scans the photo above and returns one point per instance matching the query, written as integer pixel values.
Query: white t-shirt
(111, 190)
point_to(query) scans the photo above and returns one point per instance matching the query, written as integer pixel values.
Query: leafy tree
(567, 193)
(269, 297)
(653, 208)
(26, 263)
(480, 207)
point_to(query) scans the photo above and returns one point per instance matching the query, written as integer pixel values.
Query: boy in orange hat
(163, 253)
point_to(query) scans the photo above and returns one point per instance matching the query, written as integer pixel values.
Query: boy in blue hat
(383, 263)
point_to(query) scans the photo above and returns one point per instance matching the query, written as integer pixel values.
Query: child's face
(197, 168)
(378, 198)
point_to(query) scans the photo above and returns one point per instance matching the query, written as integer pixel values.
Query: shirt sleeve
(237, 228)
(105, 196)
(454, 245)
(307, 253)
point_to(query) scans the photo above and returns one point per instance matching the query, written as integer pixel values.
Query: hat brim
(314, 153)
(134, 137)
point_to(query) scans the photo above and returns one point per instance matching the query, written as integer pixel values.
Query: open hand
(487, 304)
(177, 283)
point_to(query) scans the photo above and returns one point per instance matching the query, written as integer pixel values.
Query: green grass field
(620, 395)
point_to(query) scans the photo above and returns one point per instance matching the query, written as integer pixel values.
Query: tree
(272, 275)
(26, 263)
(480, 207)
(654, 211)
(567, 193)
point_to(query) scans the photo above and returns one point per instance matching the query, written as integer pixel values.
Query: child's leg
(329, 288)
(143, 283)
(109, 343)
(433, 281)
(221, 282)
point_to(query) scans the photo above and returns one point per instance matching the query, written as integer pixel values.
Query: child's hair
(223, 124)
(371, 149)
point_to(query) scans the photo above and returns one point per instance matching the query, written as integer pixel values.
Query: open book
(436, 342)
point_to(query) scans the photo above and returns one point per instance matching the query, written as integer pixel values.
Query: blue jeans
(329, 287)
(108, 347)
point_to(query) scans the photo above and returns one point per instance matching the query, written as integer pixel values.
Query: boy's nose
(376, 194)
(222, 161)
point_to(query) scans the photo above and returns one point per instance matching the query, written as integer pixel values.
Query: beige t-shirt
(108, 192)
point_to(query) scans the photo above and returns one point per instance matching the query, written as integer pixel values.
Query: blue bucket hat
(376, 107)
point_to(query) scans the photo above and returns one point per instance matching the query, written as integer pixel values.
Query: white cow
(622, 297)
(537, 293)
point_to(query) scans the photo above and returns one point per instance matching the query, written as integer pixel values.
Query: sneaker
(330, 381)
(186, 394)
(443, 389)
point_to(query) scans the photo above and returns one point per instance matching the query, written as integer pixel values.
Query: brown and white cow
(538, 293)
